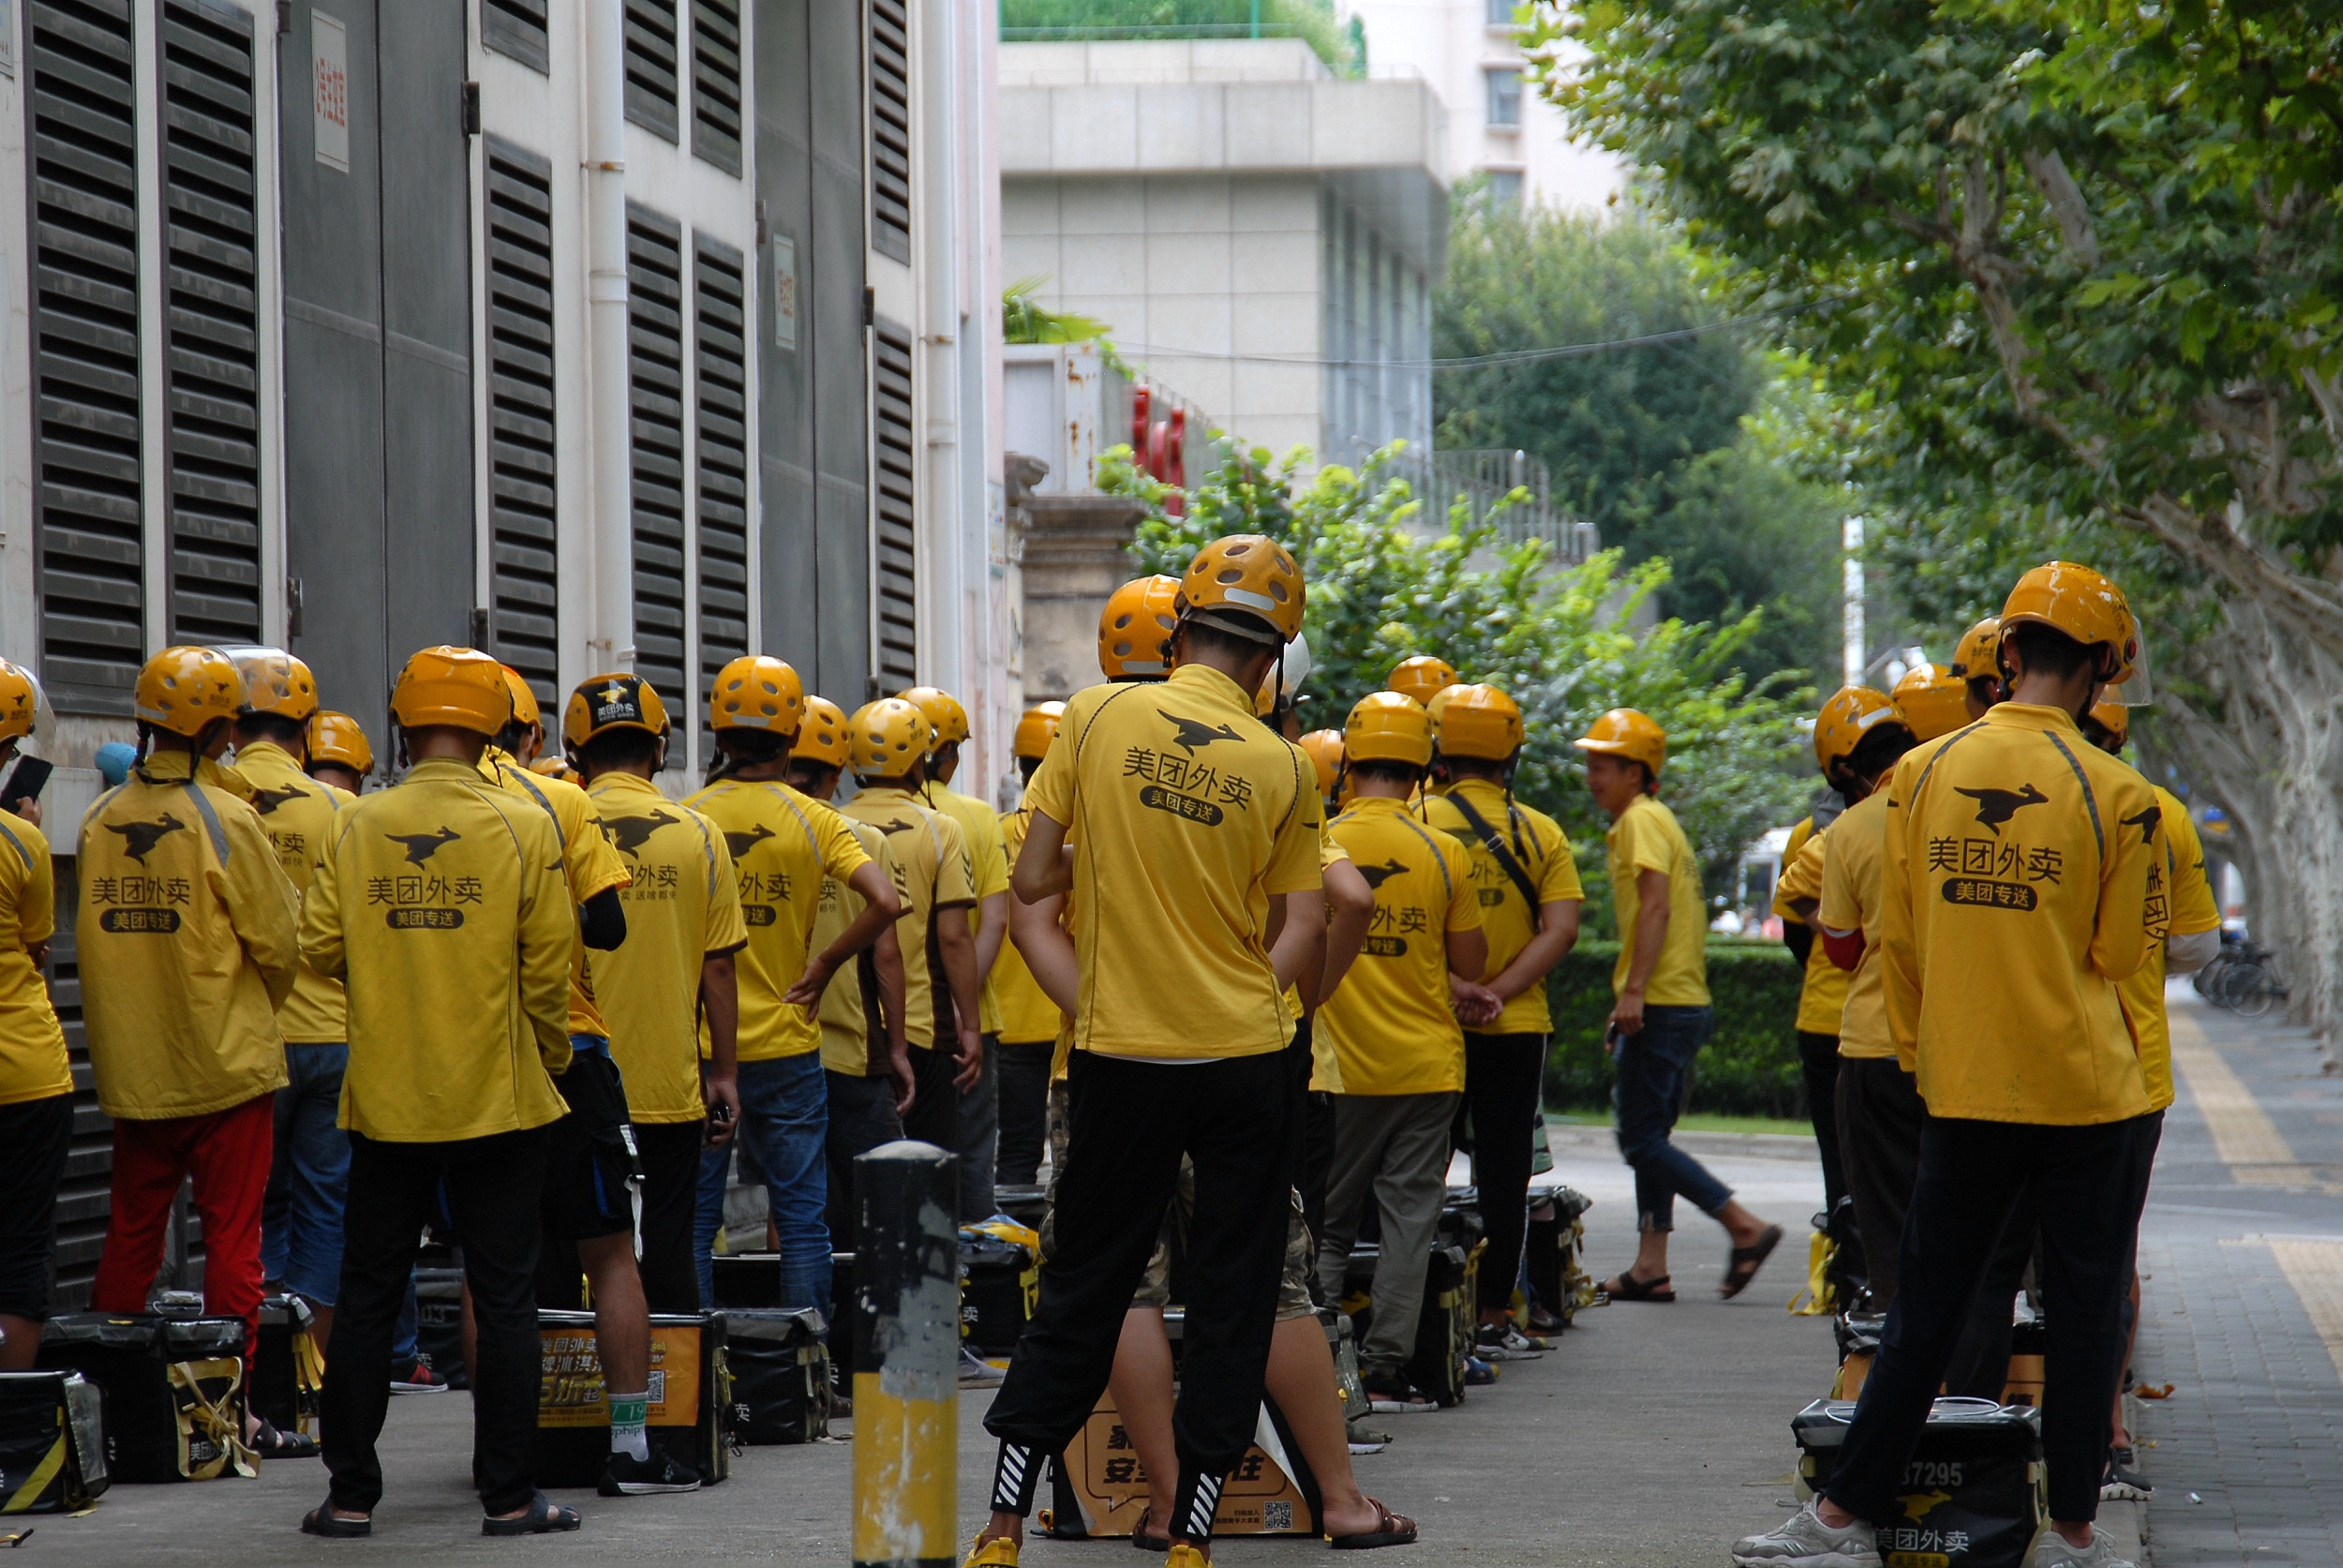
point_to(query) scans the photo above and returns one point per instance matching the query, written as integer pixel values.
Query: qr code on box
(658, 1388)
(1277, 1515)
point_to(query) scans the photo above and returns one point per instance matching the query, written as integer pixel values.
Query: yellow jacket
(1822, 991)
(33, 1063)
(2025, 877)
(186, 939)
(591, 863)
(296, 810)
(441, 906)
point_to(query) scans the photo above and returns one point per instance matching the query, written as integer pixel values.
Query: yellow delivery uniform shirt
(1822, 990)
(783, 844)
(1028, 1016)
(443, 905)
(2193, 914)
(2024, 878)
(937, 876)
(1187, 815)
(588, 857)
(988, 874)
(33, 1063)
(187, 942)
(1389, 1029)
(845, 1024)
(1542, 850)
(1647, 838)
(682, 906)
(296, 809)
(1851, 894)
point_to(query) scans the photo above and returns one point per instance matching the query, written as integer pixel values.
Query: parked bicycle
(2243, 978)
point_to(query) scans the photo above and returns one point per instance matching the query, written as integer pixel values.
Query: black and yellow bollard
(906, 1357)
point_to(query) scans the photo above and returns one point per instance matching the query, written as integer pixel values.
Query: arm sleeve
(1783, 891)
(1293, 855)
(321, 910)
(547, 938)
(603, 927)
(592, 862)
(263, 901)
(2135, 907)
(1840, 908)
(36, 905)
(1464, 900)
(725, 930)
(1804, 876)
(1643, 846)
(953, 884)
(1051, 791)
(1899, 948)
(988, 855)
(1558, 879)
(842, 854)
(2193, 907)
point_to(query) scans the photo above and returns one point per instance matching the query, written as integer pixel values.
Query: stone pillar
(1075, 555)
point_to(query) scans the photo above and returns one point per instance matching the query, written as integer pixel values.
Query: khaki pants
(1397, 1146)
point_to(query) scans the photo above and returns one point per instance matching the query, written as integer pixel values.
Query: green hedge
(1749, 1068)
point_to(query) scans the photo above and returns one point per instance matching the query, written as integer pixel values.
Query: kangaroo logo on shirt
(139, 839)
(891, 828)
(2146, 822)
(266, 802)
(1193, 735)
(741, 843)
(422, 846)
(632, 832)
(1997, 806)
(1376, 876)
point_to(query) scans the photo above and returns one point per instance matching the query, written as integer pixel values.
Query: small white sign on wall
(785, 292)
(329, 99)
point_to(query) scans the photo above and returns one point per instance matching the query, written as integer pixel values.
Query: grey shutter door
(517, 28)
(84, 1199)
(211, 337)
(893, 459)
(890, 130)
(720, 362)
(654, 358)
(523, 576)
(650, 66)
(716, 82)
(81, 113)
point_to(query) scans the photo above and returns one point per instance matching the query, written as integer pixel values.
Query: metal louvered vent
(523, 575)
(654, 374)
(517, 28)
(893, 453)
(716, 82)
(650, 65)
(720, 351)
(86, 1197)
(88, 536)
(211, 335)
(890, 130)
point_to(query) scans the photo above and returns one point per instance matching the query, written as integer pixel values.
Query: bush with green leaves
(1750, 1065)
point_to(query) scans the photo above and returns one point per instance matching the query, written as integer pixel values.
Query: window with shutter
(719, 355)
(716, 82)
(524, 580)
(515, 28)
(211, 337)
(84, 1199)
(890, 130)
(88, 535)
(654, 314)
(650, 65)
(893, 455)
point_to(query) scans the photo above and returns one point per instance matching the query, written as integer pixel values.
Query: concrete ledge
(1583, 1141)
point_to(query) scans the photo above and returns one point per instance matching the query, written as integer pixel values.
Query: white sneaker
(1804, 1540)
(1504, 1342)
(2053, 1551)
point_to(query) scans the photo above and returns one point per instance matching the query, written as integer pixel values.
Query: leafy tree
(1025, 320)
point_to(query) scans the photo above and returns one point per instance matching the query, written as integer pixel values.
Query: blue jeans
(1655, 1067)
(784, 1119)
(308, 1181)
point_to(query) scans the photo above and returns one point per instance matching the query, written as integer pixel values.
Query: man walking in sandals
(1662, 1019)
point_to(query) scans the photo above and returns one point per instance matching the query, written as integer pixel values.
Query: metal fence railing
(1487, 478)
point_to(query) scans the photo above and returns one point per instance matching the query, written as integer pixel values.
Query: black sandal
(1391, 1529)
(1742, 1265)
(272, 1442)
(1145, 1542)
(545, 1517)
(320, 1521)
(1625, 1285)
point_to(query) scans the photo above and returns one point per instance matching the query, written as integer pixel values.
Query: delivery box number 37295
(1933, 1472)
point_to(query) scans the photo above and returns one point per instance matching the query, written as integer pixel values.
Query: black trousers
(492, 1187)
(670, 1153)
(1880, 1116)
(1818, 1064)
(1024, 1088)
(38, 1134)
(1318, 1160)
(1501, 1097)
(935, 1114)
(861, 1117)
(1128, 1124)
(2087, 1189)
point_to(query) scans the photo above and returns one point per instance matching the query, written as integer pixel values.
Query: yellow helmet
(1325, 747)
(1421, 676)
(340, 739)
(1845, 720)
(756, 692)
(602, 703)
(274, 682)
(526, 711)
(1978, 657)
(823, 736)
(183, 688)
(1624, 732)
(1388, 726)
(551, 767)
(1135, 628)
(1477, 721)
(2083, 604)
(458, 686)
(1932, 701)
(2114, 718)
(946, 720)
(885, 738)
(1243, 582)
(1036, 729)
(19, 701)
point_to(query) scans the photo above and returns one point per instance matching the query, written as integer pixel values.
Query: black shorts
(590, 1158)
(37, 1134)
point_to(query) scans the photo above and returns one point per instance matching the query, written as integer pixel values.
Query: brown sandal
(1625, 1285)
(1742, 1265)
(1145, 1542)
(1391, 1529)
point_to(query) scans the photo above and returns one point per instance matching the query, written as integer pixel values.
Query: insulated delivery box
(1098, 1487)
(173, 1386)
(779, 1375)
(1000, 1283)
(52, 1442)
(690, 1398)
(288, 1369)
(1973, 1494)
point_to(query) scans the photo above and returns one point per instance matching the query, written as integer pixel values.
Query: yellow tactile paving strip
(2248, 1142)
(2315, 1270)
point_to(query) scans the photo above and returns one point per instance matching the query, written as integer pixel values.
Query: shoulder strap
(210, 818)
(9, 833)
(1440, 862)
(1496, 846)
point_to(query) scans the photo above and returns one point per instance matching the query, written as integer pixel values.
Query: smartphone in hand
(25, 780)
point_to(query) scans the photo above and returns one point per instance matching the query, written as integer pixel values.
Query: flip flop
(1742, 1265)
(1391, 1529)
(320, 1521)
(1145, 1542)
(1625, 1285)
(545, 1517)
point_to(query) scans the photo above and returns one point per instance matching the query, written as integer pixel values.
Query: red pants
(227, 1153)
